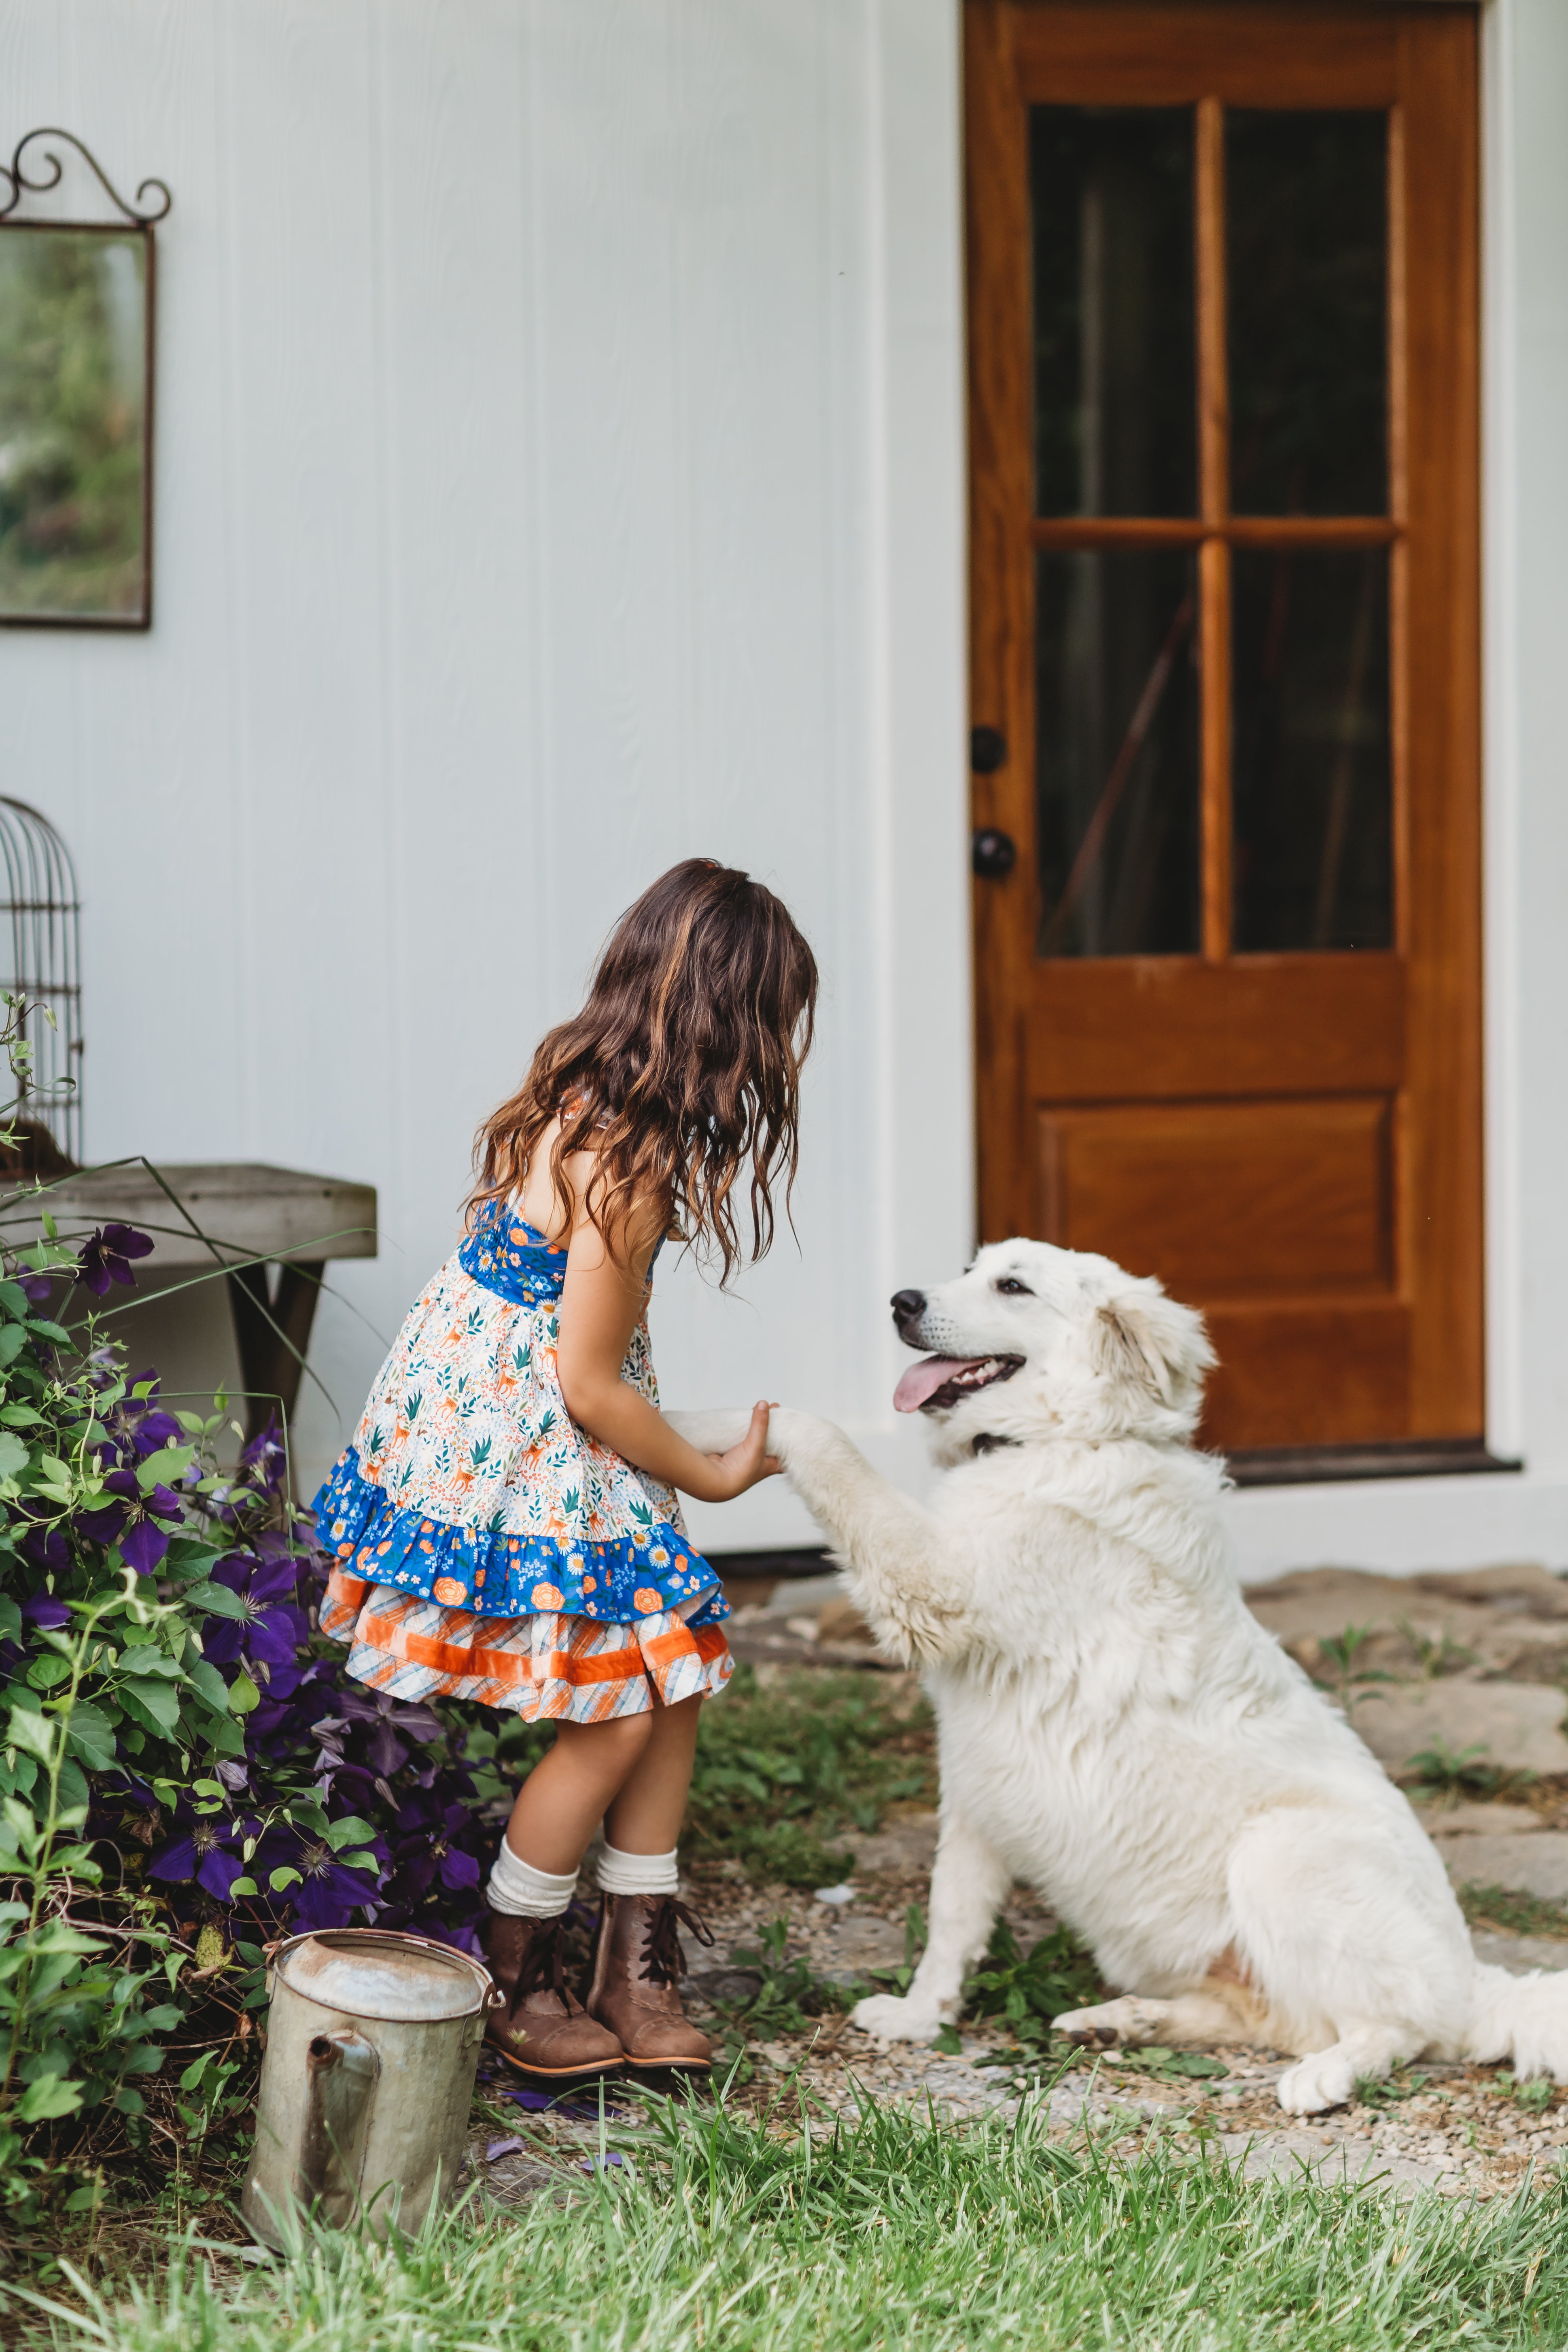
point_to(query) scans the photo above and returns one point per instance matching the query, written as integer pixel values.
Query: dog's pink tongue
(924, 1379)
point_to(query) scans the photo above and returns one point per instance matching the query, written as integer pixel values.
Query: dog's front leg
(903, 1569)
(968, 1886)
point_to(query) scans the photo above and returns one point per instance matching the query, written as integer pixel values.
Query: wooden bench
(271, 1229)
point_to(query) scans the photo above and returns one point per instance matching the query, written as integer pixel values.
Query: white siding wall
(559, 473)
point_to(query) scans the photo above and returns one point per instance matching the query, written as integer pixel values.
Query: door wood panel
(1347, 1362)
(1287, 1195)
(1291, 1140)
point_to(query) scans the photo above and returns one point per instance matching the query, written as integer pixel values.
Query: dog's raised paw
(894, 2020)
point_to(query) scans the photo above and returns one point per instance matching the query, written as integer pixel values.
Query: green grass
(887, 2231)
(786, 1767)
(1512, 1915)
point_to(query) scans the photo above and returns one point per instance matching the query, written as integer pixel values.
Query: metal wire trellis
(45, 911)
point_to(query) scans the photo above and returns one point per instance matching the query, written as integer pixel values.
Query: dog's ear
(1156, 1344)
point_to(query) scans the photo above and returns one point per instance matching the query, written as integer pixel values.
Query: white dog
(1114, 1726)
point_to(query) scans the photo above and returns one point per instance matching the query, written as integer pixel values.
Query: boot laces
(663, 1962)
(544, 1968)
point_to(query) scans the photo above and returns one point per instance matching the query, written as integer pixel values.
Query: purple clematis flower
(129, 1519)
(429, 1848)
(331, 1890)
(46, 1548)
(37, 1286)
(272, 1630)
(104, 1258)
(264, 1463)
(205, 1847)
(390, 1726)
(44, 1611)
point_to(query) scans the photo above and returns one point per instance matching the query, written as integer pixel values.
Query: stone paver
(1516, 1724)
(1530, 1863)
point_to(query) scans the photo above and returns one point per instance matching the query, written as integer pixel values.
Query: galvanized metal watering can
(373, 2039)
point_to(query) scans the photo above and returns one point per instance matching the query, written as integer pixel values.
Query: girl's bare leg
(632, 1774)
(645, 1814)
(562, 1800)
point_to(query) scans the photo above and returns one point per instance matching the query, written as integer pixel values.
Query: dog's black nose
(907, 1305)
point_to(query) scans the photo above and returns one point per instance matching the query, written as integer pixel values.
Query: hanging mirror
(76, 400)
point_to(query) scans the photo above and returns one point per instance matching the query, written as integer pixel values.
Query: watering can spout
(340, 2073)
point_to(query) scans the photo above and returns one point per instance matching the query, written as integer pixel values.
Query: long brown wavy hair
(682, 1066)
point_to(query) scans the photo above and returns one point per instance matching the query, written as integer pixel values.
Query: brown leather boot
(543, 2029)
(636, 1985)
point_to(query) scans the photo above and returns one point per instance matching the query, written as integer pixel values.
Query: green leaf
(162, 1469)
(359, 1861)
(46, 2098)
(13, 1340)
(90, 1732)
(30, 1731)
(351, 1831)
(10, 1619)
(244, 1886)
(55, 1935)
(130, 2102)
(204, 1677)
(12, 1454)
(19, 1416)
(284, 1877)
(216, 1600)
(187, 1557)
(150, 1660)
(243, 1695)
(155, 1703)
(47, 1331)
(46, 1672)
(13, 1300)
(948, 2042)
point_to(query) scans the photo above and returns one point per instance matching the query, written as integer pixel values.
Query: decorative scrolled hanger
(15, 182)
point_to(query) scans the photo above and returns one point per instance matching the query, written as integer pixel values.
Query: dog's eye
(1011, 1287)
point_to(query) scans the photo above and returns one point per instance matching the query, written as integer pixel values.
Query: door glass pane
(1306, 214)
(1116, 733)
(1111, 200)
(1311, 777)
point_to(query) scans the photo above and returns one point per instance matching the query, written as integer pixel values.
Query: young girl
(504, 1522)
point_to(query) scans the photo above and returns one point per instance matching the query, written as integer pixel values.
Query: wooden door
(1223, 321)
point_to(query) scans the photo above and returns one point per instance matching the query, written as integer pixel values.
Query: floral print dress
(486, 1547)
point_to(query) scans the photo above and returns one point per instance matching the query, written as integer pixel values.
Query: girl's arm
(602, 1302)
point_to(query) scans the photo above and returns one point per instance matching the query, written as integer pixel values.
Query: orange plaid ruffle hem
(576, 1669)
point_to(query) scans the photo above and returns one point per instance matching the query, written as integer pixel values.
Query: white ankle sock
(525, 1893)
(637, 1873)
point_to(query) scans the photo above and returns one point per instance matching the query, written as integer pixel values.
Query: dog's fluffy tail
(1522, 2019)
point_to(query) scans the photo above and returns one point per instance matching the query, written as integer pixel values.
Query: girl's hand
(743, 1465)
